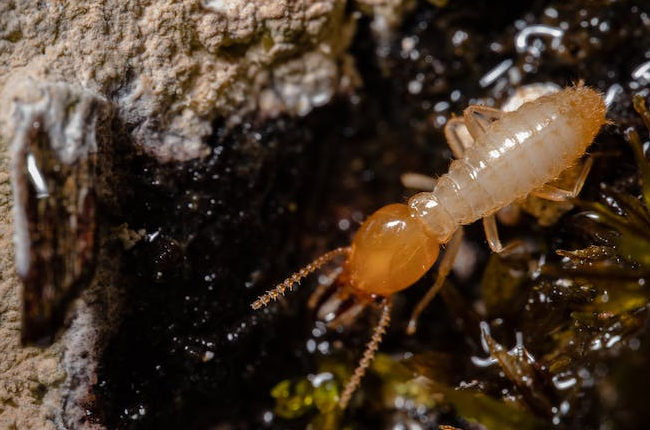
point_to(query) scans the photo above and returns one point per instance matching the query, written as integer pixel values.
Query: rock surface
(172, 69)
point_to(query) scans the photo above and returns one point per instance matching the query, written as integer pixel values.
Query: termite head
(390, 252)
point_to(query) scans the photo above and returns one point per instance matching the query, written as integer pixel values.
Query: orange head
(390, 252)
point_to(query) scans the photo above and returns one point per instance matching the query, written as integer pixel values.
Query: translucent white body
(520, 152)
(511, 157)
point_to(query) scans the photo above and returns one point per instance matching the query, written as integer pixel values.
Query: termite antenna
(295, 278)
(368, 355)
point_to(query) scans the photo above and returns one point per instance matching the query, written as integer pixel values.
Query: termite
(513, 154)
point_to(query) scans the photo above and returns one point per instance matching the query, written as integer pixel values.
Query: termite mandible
(513, 154)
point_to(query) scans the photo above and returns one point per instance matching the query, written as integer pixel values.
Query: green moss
(316, 393)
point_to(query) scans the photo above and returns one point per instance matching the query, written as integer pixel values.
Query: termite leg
(492, 237)
(492, 233)
(347, 317)
(462, 132)
(417, 181)
(458, 137)
(446, 265)
(368, 355)
(319, 292)
(478, 118)
(557, 194)
(317, 295)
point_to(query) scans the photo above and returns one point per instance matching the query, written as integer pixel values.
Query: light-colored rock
(387, 15)
(173, 68)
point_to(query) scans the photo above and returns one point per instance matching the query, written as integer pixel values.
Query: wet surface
(54, 183)
(273, 195)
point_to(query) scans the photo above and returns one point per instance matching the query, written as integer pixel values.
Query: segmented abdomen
(521, 152)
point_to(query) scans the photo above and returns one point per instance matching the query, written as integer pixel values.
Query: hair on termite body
(509, 156)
